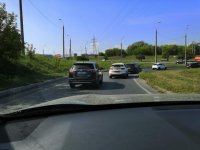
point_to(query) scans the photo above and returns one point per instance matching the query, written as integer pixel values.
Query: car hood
(95, 99)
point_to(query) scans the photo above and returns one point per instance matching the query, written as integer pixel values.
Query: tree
(140, 48)
(101, 54)
(30, 50)
(165, 55)
(115, 52)
(10, 40)
(82, 58)
(140, 57)
(180, 56)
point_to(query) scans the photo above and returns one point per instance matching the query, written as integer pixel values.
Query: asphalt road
(61, 89)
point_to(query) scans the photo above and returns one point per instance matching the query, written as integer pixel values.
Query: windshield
(124, 50)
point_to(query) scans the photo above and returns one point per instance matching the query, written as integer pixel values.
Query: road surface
(61, 89)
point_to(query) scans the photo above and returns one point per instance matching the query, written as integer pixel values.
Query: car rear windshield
(131, 65)
(117, 66)
(83, 66)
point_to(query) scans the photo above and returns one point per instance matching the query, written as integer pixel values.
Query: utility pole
(63, 37)
(70, 48)
(22, 27)
(186, 49)
(94, 45)
(85, 50)
(63, 41)
(156, 46)
(121, 50)
(186, 45)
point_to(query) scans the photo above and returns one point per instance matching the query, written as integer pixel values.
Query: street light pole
(63, 37)
(186, 45)
(121, 50)
(70, 48)
(156, 46)
(156, 43)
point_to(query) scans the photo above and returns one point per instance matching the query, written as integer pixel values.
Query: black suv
(133, 68)
(193, 65)
(85, 73)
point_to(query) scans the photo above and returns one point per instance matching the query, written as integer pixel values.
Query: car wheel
(110, 77)
(96, 84)
(101, 81)
(72, 85)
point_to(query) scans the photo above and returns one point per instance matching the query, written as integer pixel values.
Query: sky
(109, 21)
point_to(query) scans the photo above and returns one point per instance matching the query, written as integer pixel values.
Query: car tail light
(72, 70)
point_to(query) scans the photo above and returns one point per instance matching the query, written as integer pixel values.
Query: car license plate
(81, 73)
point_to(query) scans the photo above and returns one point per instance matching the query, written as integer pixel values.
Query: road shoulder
(142, 84)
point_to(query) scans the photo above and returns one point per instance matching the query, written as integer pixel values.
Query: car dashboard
(140, 128)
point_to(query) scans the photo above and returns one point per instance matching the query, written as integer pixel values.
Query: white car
(159, 66)
(118, 69)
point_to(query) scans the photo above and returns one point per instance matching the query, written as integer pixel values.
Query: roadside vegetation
(176, 81)
(31, 70)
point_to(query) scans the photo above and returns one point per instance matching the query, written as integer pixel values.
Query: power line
(114, 19)
(42, 14)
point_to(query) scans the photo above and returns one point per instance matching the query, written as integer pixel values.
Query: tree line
(142, 48)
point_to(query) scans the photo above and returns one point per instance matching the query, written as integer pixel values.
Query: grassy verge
(176, 81)
(34, 70)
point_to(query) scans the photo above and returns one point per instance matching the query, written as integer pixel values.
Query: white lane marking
(148, 92)
(156, 98)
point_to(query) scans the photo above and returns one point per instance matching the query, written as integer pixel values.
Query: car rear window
(117, 66)
(83, 66)
(132, 65)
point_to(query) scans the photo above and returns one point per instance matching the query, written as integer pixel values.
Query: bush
(82, 58)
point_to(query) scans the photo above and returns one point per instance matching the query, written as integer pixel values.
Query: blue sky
(110, 21)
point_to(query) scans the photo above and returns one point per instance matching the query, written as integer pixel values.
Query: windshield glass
(58, 51)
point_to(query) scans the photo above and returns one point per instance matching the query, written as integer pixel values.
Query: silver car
(118, 70)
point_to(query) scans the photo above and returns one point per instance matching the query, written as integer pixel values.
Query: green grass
(35, 70)
(176, 81)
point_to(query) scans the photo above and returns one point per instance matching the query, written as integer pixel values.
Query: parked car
(193, 65)
(133, 68)
(118, 69)
(85, 73)
(180, 62)
(159, 66)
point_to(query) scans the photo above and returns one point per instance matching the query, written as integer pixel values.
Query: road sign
(58, 56)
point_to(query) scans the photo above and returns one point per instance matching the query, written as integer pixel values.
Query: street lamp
(70, 46)
(187, 27)
(156, 43)
(63, 38)
(121, 46)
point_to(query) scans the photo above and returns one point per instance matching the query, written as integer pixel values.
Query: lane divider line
(148, 92)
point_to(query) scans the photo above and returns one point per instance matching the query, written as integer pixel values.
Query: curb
(11, 91)
(146, 86)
